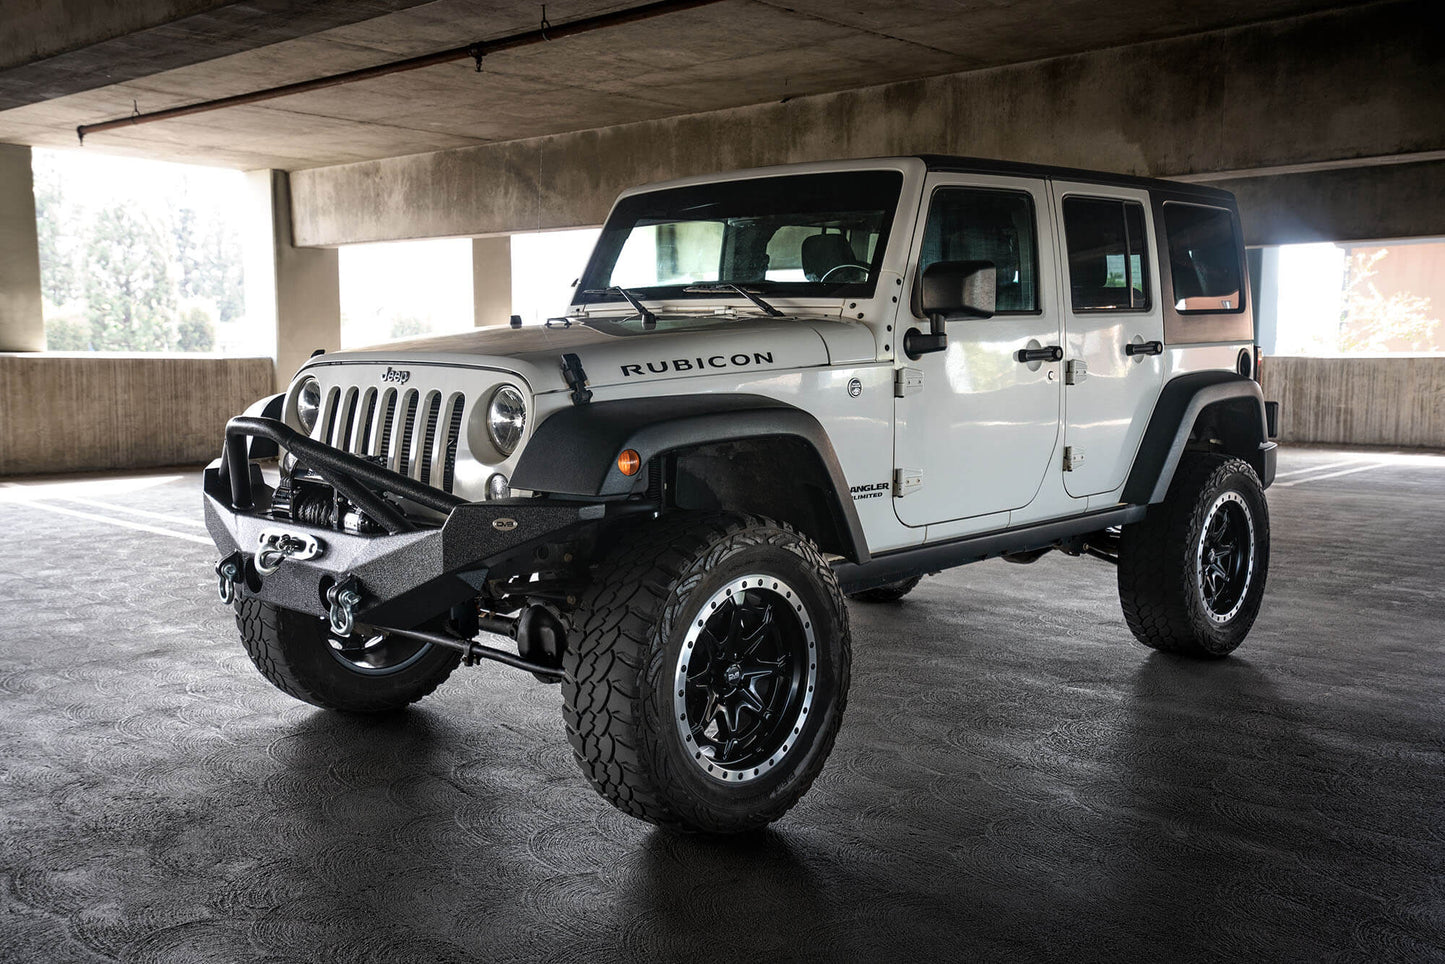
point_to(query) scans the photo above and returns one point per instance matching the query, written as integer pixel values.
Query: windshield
(802, 236)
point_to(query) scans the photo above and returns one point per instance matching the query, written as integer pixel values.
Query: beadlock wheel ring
(1224, 559)
(745, 678)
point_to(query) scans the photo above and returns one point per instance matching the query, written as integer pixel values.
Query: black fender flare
(574, 452)
(1175, 413)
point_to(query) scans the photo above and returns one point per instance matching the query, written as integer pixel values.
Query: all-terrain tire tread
(608, 678)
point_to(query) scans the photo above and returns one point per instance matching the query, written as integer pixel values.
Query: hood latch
(576, 379)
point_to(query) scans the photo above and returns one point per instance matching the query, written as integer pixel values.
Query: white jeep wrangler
(772, 390)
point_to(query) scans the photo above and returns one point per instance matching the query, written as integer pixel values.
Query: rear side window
(1108, 263)
(1203, 257)
(971, 224)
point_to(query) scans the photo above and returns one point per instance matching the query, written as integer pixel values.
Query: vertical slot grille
(328, 421)
(388, 413)
(348, 420)
(454, 431)
(408, 426)
(417, 432)
(428, 439)
(368, 415)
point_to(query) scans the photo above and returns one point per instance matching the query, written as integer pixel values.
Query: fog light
(498, 487)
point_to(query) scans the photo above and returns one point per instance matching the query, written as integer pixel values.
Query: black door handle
(1050, 353)
(1146, 348)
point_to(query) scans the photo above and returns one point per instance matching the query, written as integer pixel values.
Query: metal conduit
(476, 51)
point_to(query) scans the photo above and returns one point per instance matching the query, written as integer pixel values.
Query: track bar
(476, 51)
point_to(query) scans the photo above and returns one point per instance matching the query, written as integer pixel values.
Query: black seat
(822, 253)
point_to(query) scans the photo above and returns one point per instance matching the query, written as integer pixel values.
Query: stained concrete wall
(22, 319)
(1355, 204)
(76, 413)
(491, 280)
(1398, 402)
(1342, 87)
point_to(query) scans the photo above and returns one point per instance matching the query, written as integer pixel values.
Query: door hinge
(905, 481)
(1075, 371)
(1073, 457)
(907, 381)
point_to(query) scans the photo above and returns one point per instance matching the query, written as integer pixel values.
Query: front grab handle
(1049, 353)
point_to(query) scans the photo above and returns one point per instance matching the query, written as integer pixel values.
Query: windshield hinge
(576, 379)
(907, 381)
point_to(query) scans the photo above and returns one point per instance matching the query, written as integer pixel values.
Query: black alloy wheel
(745, 677)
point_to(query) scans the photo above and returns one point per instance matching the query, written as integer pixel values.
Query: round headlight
(497, 487)
(308, 404)
(506, 418)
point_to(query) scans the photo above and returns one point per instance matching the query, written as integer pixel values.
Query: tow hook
(228, 574)
(343, 598)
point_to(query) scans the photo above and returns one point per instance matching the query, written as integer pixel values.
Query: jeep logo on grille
(399, 375)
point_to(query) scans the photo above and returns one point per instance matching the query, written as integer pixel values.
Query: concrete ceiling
(58, 71)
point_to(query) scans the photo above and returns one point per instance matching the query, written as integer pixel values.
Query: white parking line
(1333, 475)
(122, 523)
(181, 520)
(1316, 468)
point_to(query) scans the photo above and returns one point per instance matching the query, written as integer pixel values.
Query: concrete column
(22, 319)
(295, 291)
(492, 280)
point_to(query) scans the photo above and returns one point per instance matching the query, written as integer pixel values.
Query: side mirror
(951, 289)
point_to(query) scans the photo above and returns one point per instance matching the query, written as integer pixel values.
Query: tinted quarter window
(1203, 257)
(967, 224)
(1108, 263)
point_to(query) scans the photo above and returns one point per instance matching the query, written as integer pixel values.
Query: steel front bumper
(402, 577)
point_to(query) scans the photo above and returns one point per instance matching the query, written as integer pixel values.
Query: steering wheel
(861, 267)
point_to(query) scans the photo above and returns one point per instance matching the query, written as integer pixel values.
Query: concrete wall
(75, 413)
(1399, 402)
(1343, 87)
(1354, 204)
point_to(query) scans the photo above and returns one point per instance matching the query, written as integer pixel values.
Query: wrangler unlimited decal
(740, 360)
(874, 491)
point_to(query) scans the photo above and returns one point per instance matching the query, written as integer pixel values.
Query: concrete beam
(22, 318)
(1348, 204)
(295, 291)
(1331, 88)
(492, 280)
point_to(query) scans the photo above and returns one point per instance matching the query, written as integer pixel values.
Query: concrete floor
(1015, 779)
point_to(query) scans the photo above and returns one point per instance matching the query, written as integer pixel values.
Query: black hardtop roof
(982, 165)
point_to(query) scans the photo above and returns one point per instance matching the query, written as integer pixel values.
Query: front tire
(299, 656)
(1192, 574)
(710, 674)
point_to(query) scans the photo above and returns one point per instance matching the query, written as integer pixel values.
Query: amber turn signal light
(629, 462)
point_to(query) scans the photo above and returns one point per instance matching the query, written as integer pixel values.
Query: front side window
(1107, 254)
(805, 235)
(1203, 257)
(973, 224)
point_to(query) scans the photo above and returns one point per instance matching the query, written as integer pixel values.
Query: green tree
(405, 326)
(128, 284)
(66, 328)
(196, 331)
(1373, 321)
(55, 227)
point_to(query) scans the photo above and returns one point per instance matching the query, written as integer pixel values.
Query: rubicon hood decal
(701, 363)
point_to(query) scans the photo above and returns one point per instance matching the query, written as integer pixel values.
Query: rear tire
(710, 672)
(892, 592)
(297, 653)
(1192, 574)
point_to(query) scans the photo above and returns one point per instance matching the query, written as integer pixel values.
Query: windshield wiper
(730, 286)
(649, 320)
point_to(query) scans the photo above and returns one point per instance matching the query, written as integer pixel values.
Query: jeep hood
(616, 352)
